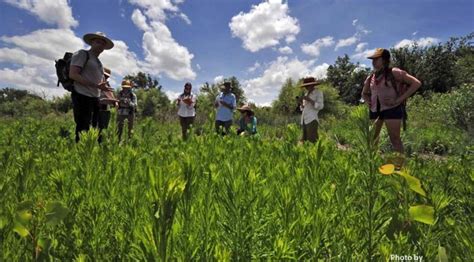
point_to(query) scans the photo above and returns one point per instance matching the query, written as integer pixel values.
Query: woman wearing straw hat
(312, 102)
(127, 107)
(384, 101)
(248, 121)
(88, 74)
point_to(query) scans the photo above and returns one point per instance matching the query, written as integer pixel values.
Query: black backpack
(62, 70)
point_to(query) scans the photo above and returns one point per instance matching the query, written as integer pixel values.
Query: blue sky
(260, 42)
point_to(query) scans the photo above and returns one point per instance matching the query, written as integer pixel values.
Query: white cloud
(421, 42)
(264, 89)
(56, 12)
(314, 48)
(361, 47)
(346, 42)
(120, 60)
(46, 43)
(218, 79)
(363, 54)
(156, 9)
(33, 56)
(140, 20)
(265, 25)
(360, 32)
(254, 67)
(172, 95)
(285, 50)
(198, 66)
(162, 53)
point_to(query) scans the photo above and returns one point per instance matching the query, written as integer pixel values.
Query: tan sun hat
(126, 84)
(91, 36)
(245, 108)
(380, 52)
(107, 71)
(310, 81)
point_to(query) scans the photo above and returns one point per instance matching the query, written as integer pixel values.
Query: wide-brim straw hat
(245, 108)
(126, 84)
(98, 35)
(310, 81)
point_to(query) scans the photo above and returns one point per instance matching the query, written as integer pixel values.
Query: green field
(155, 197)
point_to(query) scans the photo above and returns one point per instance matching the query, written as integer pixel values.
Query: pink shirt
(380, 91)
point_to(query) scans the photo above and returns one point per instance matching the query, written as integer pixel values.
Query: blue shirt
(224, 113)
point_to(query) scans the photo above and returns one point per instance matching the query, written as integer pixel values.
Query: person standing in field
(247, 122)
(106, 100)
(225, 104)
(186, 103)
(126, 108)
(88, 74)
(385, 91)
(311, 102)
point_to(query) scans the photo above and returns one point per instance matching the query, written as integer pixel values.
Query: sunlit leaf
(21, 230)
(422, 213)
(413, 183)
(387, 169)
(442, 257)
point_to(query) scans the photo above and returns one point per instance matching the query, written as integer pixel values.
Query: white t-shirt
(310, 111)
(92, 71)
(184, 109)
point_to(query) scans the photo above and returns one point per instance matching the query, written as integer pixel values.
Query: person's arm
(319, 101)
(413, 83)
(366, 91)
(193, 101)
(134, 102)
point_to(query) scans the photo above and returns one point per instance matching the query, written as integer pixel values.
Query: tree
(287, 103)
(144, 81)
(348, 78)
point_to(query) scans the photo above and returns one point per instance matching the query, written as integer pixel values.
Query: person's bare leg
(378, 127)
(393, 128)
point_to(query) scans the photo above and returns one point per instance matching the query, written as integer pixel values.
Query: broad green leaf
(387, 169)
(55, 212)
(413, 183)
(442, 257)
(422, 213)
(21, 230)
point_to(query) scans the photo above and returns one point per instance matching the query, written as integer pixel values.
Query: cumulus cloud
(360, 47)
(265, 25)
(163, 54)
(285, 50)
(264, 88)
(32, 58)
(218, 79)
(361, 55)
(360, 32)
(421, 42)
(51, 12)
(314, 49)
